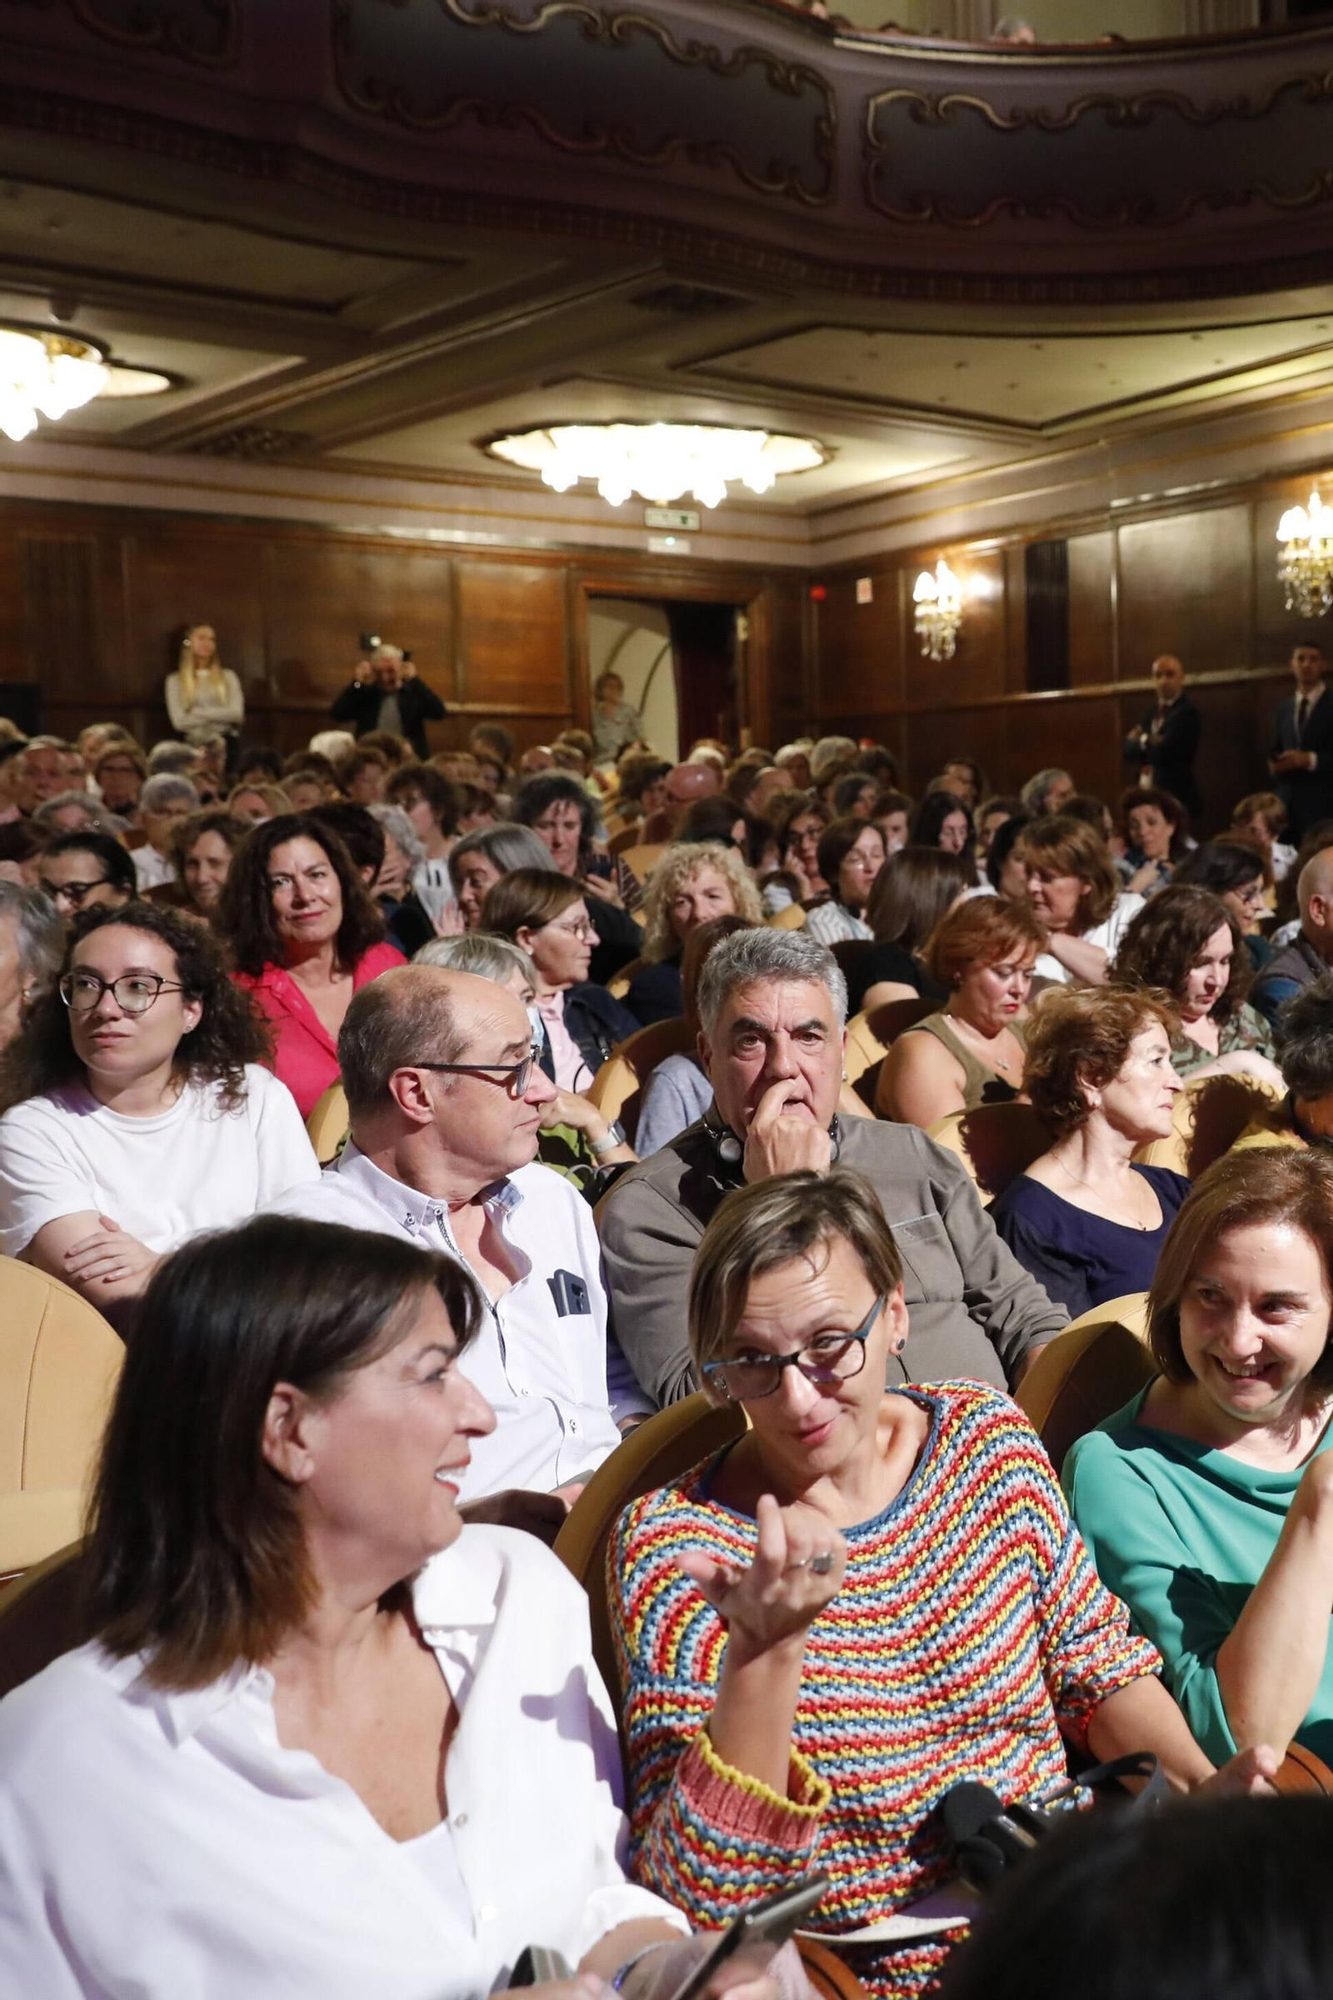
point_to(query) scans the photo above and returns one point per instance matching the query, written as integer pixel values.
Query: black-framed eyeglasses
(73, 893)
(513, 1075)
(133, 992)
(830, 1357)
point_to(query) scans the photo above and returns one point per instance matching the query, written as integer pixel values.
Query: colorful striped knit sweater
(970, 1630)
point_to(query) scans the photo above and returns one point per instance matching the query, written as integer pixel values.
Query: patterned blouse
(971, 1631)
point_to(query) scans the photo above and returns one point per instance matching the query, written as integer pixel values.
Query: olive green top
(981, 1083)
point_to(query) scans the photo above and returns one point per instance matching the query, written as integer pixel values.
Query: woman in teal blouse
(1207, 1502)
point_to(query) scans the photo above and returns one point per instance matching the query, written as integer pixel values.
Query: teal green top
(1182, 1534)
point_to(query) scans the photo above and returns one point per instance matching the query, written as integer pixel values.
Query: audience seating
(995, 1142)
(328, 1124)
(1085, 1374)
(848, 950)
(654, 1453)
(641, 859)
(59, 1363)
(617, 1088)
(40, 1616)
(1209, 1115)
(620, 985)
(790, 919)
(622, 833)
(870, 1035)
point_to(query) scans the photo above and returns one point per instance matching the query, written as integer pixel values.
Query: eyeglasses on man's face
(514, 1076)
(73, 893)
(133, 992)
(828, 1358)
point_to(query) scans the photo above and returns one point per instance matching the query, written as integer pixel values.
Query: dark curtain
(703, 650)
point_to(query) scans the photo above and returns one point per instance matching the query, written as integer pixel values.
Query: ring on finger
(803, 1563)
(821, 1563)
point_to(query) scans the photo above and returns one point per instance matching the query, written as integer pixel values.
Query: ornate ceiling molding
(207, 32)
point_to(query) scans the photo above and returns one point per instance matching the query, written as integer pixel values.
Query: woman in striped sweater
(868, 1599)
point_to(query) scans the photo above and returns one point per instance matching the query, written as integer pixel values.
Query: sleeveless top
(981, 1084)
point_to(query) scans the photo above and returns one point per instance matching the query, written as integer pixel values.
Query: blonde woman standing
(202, 695)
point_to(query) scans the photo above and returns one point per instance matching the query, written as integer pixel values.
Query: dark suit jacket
(1172, 746)
(359, 704)
(1307, 795)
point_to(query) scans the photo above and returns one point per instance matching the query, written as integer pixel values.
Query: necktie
(1302, 717)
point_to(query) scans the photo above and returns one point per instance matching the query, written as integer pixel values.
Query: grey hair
(395, 821)
(756, 957)
(97, 819)
(166, 789)
(335, 744)
(505, 845)
(39, 935)
(478, 952)
(404, 1017)
(178, 758)
(1305, 1040)
(1034, 791)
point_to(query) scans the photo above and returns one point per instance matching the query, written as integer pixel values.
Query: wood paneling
(511, 642)
(1186, 588)
(1092, 632)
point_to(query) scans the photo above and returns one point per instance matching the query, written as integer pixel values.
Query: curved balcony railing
(731, 134)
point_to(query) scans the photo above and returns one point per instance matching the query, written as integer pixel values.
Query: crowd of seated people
(492, 1281)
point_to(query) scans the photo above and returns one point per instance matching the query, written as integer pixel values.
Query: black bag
(988, 1837)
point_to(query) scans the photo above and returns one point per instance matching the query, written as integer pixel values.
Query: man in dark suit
(1166, 742)
(1301, 760)
(394, 697)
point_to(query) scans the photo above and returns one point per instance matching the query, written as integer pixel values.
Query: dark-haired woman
(202, 847)
(851, 854)
(1238, 871)
(324, 1739)
(1074, 889)
(942, 820)
(304, 937)
(1207, 1502)
(1155, 829)
(1186, 941)
(914, 891)
(135, 1108)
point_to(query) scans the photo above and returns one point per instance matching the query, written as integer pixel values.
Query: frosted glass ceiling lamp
(1305, 557)
(659, 462)
(46, 375)
(939, 611)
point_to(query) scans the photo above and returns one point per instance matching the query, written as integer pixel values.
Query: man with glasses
(80, 871)
(445, 1098)
(772, 1006)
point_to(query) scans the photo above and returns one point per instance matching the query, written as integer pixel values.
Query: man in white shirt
(445, 1102)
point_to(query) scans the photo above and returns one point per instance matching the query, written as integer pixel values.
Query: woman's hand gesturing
(797, 1569)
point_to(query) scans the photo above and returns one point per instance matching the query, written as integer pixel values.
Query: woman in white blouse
(322, 1740)
(202, 695)
(135, 1108)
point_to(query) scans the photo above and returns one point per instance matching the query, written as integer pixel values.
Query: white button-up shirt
(557, 1381)
(155, 1846)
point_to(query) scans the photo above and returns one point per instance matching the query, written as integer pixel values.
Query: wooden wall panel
(220, 578)
(511, 645)
(320, 595)
(1185, 587)
(1092, 630)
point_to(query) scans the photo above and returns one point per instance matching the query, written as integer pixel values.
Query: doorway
(678, 659)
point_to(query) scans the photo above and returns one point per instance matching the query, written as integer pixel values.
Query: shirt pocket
(930, 1266)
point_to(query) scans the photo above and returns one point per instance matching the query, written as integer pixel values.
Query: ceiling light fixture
(939, 611)
(659, 462)
(46, 375)
(1305, 557)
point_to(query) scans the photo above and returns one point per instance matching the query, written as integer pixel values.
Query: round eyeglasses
(828, 1358)
(133, 992)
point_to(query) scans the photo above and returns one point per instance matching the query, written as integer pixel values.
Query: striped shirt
(970, 1632)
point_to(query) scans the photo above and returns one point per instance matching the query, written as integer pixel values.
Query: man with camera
(388, 693)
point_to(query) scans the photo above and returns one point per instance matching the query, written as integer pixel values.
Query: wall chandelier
(1305, 557)
(659, 462)
(939, 611)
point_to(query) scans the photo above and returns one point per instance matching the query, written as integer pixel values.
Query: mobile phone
(540, 1965)
(570, 1293)
(770, 1922)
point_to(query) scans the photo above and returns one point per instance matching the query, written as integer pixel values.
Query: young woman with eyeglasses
(544, 912)
(135, 1108)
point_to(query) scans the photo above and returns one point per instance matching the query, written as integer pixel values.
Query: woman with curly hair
(1073, 886)
(304, 937)
(1085, 1219)
(691, 883)
(135, 1108)
(1187, 941)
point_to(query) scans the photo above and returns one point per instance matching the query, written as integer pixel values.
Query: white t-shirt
(1108, 935)
(163, 1179)
(152, 869)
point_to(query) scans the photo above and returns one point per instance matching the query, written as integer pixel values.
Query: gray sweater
(973, 1309)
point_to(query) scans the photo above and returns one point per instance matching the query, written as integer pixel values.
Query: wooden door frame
(753, 664)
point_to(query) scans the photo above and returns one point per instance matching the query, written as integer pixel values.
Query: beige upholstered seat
(1087, 1373)
(328, 1124)
(617, 1088)
(790, 919)
(1208, 1117)
(59, 1363)
(995, 1142)
(870, 1035)
(641, 858)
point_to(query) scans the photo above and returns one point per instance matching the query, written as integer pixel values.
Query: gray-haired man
(772, 1006)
